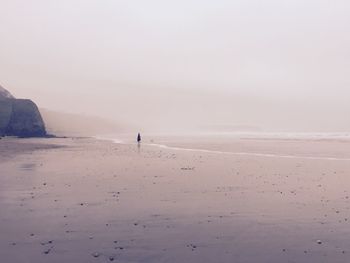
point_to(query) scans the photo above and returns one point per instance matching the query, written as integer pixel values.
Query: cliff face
(5, 94)
(19, 117)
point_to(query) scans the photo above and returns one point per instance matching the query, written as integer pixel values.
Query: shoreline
(254, 154)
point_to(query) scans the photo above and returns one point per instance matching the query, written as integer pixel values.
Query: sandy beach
(242, 200)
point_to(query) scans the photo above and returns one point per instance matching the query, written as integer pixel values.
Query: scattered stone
(111, 258)
(47, 251)
(187, 168)
(192, 247)
(319, 242)
(96, 255)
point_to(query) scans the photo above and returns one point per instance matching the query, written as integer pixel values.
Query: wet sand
(86, 200)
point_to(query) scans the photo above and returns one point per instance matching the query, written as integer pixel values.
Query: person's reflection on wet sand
(138, 147)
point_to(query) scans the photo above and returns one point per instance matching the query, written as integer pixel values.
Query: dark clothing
(138, 138)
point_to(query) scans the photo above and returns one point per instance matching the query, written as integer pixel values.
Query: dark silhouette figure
(139, 138)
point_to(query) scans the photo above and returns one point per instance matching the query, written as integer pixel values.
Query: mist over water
(185, 66)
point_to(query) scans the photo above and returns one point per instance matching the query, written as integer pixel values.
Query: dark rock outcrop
(5, 94)
(19, 117)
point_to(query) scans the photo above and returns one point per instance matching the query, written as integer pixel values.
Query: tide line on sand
(250, 153)
(270, 155)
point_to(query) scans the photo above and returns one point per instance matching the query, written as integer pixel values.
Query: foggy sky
(277, 64)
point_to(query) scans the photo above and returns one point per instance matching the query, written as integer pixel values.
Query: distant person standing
(139, 138)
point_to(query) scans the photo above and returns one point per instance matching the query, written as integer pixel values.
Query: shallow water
(227, 144)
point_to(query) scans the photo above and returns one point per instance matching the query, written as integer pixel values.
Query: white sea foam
(309, 136)
(250, 153)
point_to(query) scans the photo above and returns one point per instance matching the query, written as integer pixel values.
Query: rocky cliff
(19, 117)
